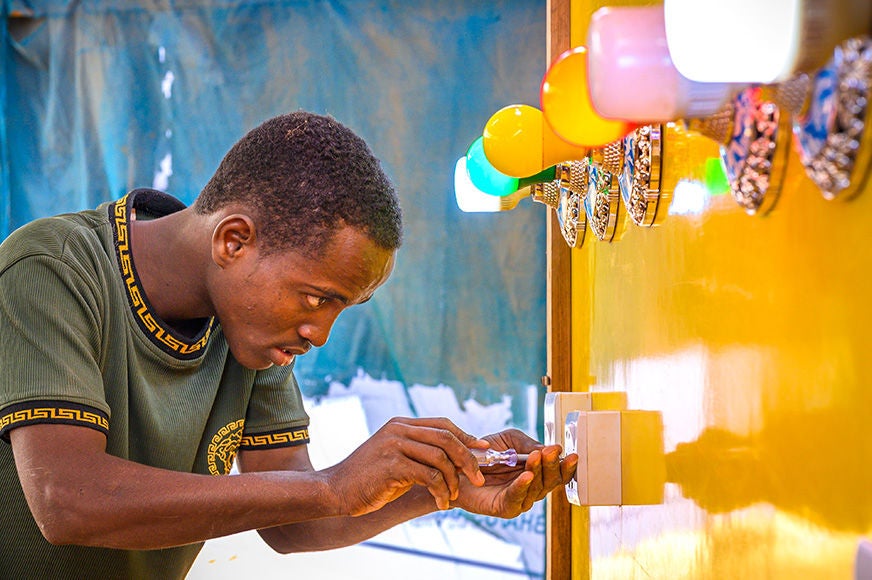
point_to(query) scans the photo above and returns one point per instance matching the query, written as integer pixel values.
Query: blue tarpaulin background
(102, 96)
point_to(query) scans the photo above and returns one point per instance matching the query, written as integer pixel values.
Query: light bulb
(631, 75)
(518, 142)
(487, 179)
(758, 41)
(566, 104)
(564, 200)
(470, 199)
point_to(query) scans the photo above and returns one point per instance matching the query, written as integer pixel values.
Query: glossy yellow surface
(751, 335)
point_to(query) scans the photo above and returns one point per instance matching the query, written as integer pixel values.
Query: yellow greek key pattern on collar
(138, 304)
(53, 415)
(283, 439)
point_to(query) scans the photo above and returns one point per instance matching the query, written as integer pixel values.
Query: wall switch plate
(575, 420)
(559, 404)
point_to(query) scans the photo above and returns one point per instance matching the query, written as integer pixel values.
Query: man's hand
(433, 453)
(510, 491)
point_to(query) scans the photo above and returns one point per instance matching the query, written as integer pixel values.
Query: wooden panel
(558, 556)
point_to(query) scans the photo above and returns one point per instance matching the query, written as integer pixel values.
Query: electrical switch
(559, 404)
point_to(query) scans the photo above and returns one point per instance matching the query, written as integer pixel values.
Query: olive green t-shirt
(80, 345)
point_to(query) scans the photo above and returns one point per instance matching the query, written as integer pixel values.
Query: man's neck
(170, 267)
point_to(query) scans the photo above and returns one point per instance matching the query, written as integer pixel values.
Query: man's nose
(317, 332)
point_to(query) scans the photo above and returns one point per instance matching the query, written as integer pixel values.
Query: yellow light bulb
(567, 107)
(519, 143)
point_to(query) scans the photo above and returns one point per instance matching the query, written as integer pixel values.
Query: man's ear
(233, 238)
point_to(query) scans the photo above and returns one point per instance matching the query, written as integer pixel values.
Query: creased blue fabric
(100, 97)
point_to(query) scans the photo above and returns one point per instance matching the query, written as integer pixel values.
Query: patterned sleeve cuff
(51, 412)
(274, 439)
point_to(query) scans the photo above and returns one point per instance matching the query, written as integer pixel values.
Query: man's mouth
(282, 357)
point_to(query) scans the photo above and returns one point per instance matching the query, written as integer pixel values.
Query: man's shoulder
(61, 237)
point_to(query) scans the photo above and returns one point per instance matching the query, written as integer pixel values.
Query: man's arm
(81, 495)
(335, 532)
(508, 492)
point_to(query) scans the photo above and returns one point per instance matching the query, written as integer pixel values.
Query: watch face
(830, 135)
(756, 154)
(602, 205)
(625, 180)
(736, 150)
(819, 121)
(639, 179)
(571, 186)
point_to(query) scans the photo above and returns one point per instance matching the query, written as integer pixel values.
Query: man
(145, 346)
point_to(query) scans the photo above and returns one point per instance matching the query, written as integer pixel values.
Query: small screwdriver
(488, 457)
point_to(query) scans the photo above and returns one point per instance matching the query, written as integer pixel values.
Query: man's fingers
(568, 467)
(438, 470)
(439, 489)
(452, 442)
(519, 494)
(551, 468)
(442, 423)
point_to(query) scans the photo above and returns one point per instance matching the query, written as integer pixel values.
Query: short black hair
(304, 176)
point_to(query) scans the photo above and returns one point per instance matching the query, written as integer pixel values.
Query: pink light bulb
(631, 73)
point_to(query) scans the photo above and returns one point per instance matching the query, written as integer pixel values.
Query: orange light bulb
(566, 104)
(519, 143)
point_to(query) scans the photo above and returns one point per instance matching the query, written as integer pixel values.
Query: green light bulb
(484, 175)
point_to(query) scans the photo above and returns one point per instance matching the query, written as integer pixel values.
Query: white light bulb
(733, 41)
(758, 41)
(469, 197)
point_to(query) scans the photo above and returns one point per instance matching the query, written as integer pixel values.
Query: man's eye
(315, 301)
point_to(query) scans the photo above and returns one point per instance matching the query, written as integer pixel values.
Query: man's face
(275, 307)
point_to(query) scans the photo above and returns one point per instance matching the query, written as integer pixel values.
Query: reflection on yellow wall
(752, 336)
(777, 313)
(755, 544)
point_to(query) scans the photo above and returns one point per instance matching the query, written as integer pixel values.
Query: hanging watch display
(610, 158)
(755, 157)
(564, 195)
(639, 180)
(606, 216)
(832, 134)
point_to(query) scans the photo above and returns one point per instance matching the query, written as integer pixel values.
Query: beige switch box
(620, 457)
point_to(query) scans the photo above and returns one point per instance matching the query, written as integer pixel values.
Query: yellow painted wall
(751, 335)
